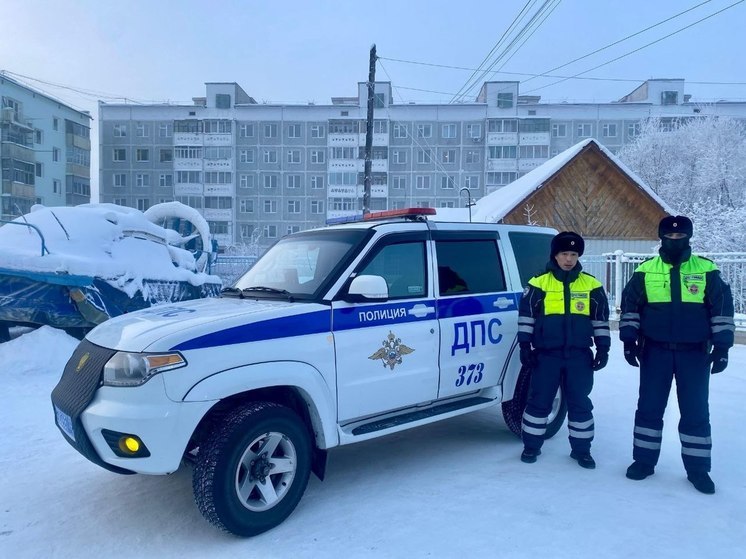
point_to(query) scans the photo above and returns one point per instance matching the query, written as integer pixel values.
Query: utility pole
(369, 130)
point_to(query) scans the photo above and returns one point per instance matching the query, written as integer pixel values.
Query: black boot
(640, 470)
(584, 459)
(701, 482)
(529, 455)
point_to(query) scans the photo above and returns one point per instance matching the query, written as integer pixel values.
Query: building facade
(45, 151)
(260, 171)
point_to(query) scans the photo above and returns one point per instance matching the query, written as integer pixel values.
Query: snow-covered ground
(452, 489)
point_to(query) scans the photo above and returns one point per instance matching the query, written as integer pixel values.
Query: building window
(343, 153)
(246, 156)
(317, 182)
(294, 131)
(218, 227)
(270, 181)
(270, 130)
(165, 130)
(424, 131)
(318, 131)
(166, 179)
(292, 229)
(504, 100)
(222, 101)
(424, 155)
(399, 183)
(293, 181)
(446, 204)
(246, 206)
(559, 130)
(503, 125)
(120, 154)
(669, 97)
(189, 177)
(380, 127)
(500, 178)
(218, 202)
(294, 156)
(39, 169)
(293, 206)
(120, 179)
(55, 154)
(218, 152)
(471, 182)
(120, 201)
(56, 186)
(270, 206)
(633, 129)
(317, 206)
(142, 130)
(318, 156)
(448, 131)
(246, 131)
(503, 152)
(448, 156)
(218, 177)
(188, 152)
(142, 179)
(472, 156)
(143, 204)
(422, 182)
(379, 100)
(609, 130)
(534, 152)
(38, 136)
(270, 156)
(247, 231)
(474, 131)
(218, 126)
(448, 182)
(270, 231)
(142, 154)
(584, 130)
(400, 130)
(246, 181)
(400, 156)
(166, 155)
(55, 123)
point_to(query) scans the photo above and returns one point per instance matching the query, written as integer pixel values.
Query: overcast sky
(297, 51)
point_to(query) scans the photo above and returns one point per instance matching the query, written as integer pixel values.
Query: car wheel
(252, 469)
(513, 409)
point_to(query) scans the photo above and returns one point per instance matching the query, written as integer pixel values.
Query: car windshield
(299, 265)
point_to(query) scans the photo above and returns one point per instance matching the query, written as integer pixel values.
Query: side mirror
(367, 289)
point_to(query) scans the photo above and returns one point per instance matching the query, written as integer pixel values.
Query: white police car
(336, 335)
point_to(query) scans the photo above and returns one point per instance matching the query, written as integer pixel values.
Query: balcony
(341, 191)
(502, 165)
(187, 139)
(534, 138)
(213, 214)
(342, 213)
(502, 138)
(184, 164)
(188, 189)
(219, 189)
(343, 165)
(218, 165)
(377, 165)
(530, 164)
(379, 139)
(343, 140)
(376, 190)
(217, 139)
(223, 239)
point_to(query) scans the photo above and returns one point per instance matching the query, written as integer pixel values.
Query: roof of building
(494, 207)
(6, 77)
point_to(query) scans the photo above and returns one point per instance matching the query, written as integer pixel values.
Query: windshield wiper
(264, 289)
(230, 292)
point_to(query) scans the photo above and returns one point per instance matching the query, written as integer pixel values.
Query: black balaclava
(675, 251)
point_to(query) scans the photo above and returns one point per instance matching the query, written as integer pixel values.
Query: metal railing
(230, 268)
(615, 269)
(44, 249)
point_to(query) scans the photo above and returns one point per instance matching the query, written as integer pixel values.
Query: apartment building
(260, 171)
(45, 151)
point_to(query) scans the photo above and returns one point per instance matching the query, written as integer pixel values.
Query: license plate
(64, 422)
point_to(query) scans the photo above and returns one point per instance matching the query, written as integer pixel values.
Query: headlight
(133, 369)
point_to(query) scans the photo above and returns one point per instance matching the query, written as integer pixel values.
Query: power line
(640, 48)
(617, 42)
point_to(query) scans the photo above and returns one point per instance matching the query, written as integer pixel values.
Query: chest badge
(694, 289)
(391, 352)
(579, 306)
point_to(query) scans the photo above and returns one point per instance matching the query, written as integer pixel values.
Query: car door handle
(502, 303)
(421, 310)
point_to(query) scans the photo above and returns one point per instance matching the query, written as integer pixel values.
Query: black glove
(630, 352)
(528, 355)
(601, 358)
(719, 359)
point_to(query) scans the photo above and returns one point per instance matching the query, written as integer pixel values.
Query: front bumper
(164, 426)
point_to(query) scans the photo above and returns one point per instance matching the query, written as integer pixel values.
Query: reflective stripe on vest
(554, 293)
(692, 276)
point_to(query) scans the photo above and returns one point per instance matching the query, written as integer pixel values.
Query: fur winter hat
(675, 224)
(567, 241)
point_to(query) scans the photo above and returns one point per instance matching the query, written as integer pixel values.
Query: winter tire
(252, 468)
(513, 409)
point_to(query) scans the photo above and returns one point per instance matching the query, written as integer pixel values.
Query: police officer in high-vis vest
(675, 308)
(562, 312)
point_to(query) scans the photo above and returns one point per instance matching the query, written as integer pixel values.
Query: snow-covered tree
(699, 169)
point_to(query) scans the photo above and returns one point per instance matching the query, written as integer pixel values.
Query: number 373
(468, 374)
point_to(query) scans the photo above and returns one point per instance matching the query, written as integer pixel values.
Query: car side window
(531, 253)
(469, 267)
(402, 265)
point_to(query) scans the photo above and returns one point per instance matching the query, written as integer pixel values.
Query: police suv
(336, 335)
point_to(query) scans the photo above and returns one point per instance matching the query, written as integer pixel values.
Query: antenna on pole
(369, 130)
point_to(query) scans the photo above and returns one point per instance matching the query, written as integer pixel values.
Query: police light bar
(411, 213)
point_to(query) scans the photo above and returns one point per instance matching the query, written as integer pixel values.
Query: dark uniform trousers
(573, 370)
(659, 365)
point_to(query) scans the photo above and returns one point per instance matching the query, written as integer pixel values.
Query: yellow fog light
(129, 444)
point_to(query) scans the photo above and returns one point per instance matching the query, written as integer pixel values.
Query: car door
(387, 352)
(477, 315)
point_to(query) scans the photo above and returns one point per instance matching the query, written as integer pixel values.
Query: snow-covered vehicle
(336, 335)
(74, 267)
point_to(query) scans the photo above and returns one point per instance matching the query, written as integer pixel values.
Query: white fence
(615, 269)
